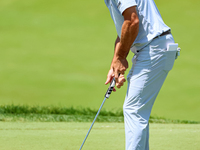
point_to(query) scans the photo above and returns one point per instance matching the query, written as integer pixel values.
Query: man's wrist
(120, 52)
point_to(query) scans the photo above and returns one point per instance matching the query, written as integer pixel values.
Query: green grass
(179, 97)
(58, 53)
(62, 114)
(103, 136)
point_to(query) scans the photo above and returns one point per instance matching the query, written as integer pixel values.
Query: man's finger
(108, 80)
(121, 81)
(116, 77)
(119, 85)
(110, 76)
(114, 90)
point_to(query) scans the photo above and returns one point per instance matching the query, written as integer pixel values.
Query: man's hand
(119, 66)
(110, 76)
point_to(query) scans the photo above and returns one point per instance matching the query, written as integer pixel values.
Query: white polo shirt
(150, 21)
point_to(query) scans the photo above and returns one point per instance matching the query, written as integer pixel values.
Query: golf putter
(107, 95)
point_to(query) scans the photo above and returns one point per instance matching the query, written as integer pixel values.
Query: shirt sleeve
(122, 5)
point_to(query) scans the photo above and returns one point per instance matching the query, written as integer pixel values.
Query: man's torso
(151, 23)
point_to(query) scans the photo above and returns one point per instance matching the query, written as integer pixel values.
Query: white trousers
(145, 79)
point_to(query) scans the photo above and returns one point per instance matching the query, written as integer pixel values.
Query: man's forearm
(128, 35)
(117, 41)
(129, 32)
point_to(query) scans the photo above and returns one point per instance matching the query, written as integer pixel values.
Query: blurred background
(59, 52)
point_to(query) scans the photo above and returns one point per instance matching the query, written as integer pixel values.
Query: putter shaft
(93, 122)
(110, 89)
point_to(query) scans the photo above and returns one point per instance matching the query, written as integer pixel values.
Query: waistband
(164, 33)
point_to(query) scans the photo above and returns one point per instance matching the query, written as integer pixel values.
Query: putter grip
(110, 89)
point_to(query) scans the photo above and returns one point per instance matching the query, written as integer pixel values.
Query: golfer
(140, 29)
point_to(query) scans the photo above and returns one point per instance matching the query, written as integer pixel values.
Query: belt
(164, 33)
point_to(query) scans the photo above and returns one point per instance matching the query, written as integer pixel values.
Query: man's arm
(129, 33)
(110, 75)
(117, 41)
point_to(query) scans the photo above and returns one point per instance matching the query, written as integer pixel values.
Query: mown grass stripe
(25, 109)
(64, 114)
(57, 118)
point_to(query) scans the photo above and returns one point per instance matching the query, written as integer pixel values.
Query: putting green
(103, 136)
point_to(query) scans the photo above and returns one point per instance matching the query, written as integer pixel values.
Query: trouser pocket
(169, 60)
